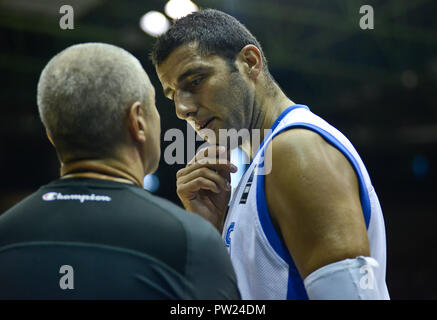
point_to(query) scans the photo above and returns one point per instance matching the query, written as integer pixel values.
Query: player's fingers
(208, 174)
(209, 154)
(223, 168)
(226, 174)
(189, 189)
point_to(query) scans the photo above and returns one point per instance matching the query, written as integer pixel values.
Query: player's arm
(312, 194)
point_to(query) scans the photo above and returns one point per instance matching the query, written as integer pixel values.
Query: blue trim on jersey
(364, 195)
(296, 289)
(276, 123)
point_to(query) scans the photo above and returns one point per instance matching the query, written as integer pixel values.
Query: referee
(95, 233)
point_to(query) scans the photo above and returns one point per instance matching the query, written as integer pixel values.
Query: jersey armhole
(296, 287)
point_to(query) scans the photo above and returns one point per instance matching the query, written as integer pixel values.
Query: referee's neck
(106, 169)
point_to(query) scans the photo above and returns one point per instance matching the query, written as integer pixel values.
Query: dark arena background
(377, 85)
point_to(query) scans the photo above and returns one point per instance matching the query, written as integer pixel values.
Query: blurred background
(378, 86)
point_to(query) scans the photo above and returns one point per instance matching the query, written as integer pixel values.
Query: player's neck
(268, 107)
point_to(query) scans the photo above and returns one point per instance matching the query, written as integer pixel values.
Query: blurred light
(240, 160)
(154, 23)
(151, 182)
(433, 65)
(370, 91)
(177, 9)
(409, 79)
(420, 166)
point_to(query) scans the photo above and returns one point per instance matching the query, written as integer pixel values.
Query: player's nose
(185, 104)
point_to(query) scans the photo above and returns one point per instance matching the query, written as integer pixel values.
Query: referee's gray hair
(84, 93)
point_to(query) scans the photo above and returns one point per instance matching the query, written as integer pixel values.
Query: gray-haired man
(95, 232)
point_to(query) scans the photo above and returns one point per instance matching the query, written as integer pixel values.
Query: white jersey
(263, 265)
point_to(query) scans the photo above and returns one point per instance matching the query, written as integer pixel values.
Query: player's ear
(50, 138)
(251, 57)
(137, 122)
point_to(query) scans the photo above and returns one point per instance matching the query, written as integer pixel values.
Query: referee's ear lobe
(137, 122)
(50, 138)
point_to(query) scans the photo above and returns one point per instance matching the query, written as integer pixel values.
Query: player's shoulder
(299, 156)
(295, 148)
(297, 139)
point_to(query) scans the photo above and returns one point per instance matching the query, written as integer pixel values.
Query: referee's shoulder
(194, 225)
(23, 204)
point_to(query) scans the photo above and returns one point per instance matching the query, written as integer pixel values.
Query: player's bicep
(313, 195)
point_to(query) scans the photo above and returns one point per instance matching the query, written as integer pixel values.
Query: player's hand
(204, 185)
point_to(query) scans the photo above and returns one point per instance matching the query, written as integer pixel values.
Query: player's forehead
(182, 59)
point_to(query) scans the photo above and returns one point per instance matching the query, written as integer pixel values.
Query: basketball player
(312, 227)
(95, 233)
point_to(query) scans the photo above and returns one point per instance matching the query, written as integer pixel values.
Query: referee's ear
(50, 138)
(137, 122)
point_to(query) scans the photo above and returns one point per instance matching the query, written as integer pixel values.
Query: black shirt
(83, 238)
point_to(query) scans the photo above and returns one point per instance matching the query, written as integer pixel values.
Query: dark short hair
(214, 31)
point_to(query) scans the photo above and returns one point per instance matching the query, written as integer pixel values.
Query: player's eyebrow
(190, 72)
(186, 74)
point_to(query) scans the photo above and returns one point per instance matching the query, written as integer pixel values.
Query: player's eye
(196, 81)
(191, 84)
